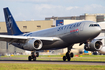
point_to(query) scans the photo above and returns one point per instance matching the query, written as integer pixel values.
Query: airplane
(64, 36)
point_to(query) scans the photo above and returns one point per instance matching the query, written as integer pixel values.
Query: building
(91, 17)
(25, 26)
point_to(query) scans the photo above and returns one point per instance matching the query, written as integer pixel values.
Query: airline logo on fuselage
(74, 31)
(70, 26)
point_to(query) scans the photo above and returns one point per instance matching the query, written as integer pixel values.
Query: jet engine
(94, 45)
(102, 51)
(33, 44)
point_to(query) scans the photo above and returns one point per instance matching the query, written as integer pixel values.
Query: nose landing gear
(68, 54)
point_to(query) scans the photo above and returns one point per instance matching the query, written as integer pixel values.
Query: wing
(23, 39)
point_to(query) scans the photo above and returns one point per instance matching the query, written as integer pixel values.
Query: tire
(67, 55)
(37, 54)
(64, 58)
(69, 58)
(29, 58)
(72, 55)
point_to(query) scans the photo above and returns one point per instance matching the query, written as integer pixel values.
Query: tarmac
(21, 60)
(53, 62)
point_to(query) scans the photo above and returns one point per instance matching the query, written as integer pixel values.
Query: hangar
(25, 26)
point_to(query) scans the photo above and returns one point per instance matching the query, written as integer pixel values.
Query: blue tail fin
(12, 27)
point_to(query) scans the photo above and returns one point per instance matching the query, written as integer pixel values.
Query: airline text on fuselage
(70, 26)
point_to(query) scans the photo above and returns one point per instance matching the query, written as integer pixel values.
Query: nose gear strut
(68, 54)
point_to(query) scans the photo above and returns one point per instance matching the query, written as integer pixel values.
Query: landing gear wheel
(33, 56)
(37, 54)
(67, 55)
(29, 58)
(64, 58)
(69, 58)
(71, 54)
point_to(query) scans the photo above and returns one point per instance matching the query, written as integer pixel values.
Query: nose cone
(95, 31)
(91, 32)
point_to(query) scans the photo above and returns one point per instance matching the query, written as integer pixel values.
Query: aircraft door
(82, 26)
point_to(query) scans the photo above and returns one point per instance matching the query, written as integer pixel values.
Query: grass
(23, 66)
(99, 58)
(34, 66)
(96, 58)
(16, 56)
(50, 55)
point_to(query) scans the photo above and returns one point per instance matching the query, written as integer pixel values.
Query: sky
(39, 9)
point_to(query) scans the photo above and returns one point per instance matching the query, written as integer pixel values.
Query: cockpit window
(93, 25)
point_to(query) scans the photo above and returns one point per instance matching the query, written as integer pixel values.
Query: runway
(50, 60)
(53, 62)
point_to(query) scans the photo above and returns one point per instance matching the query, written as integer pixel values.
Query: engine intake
(33, 44)
(94, 45)
(38, 44)
(98, 44)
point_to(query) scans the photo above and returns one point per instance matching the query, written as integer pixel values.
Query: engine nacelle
(94, 45)
(102, 51)
(33, 44)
